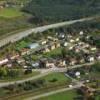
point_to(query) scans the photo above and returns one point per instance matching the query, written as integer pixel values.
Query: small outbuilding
(33, 46)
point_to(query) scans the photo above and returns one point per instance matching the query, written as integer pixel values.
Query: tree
(96, 67)
(13, 73)
(3, 72)
(64, 52)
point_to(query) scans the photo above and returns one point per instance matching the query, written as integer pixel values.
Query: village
(49, 49)
(59, 51)
(72, 55)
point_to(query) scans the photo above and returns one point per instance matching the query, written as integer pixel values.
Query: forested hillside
(60, 10)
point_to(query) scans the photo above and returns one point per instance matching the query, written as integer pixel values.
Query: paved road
(63, 69)
(20, 35)
(44, 72)
(53, 92)
(2, 84)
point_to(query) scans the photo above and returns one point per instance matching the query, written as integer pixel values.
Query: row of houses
(33, 48)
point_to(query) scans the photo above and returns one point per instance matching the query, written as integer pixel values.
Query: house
(65, 44)
(61, 35)
(98, 56)
(1, 7)
(81, 32)
(71, 47)
(15, 56)
(57, 44)
(42, 63)
(24, 51)
(20, 60)
(9, 65)
(52, 47)
(77, 74)
(22, 5)
(72, 61)
(35, 65)
(91, 59)
(4, 61)
(81, 44)
(77, 49)
(93, 48)
(77, 39)
(87, 91)
(2, 4)
(61, 63)
(82, 60)
(50, 38)
(69, 36)
(72, 40)
(86, 46)
(86, 51)
(88, 37)
(55, 39)
(43, 42)
(50, 64)
(47, 50)
(33, 46)
(47, 63)
(25, 66)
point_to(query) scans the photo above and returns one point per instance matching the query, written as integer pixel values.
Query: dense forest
(61, 10)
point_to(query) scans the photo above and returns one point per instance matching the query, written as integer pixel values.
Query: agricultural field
(13, 22)
(10, 13)
(67, 95)
(12, 18)
(58, 77)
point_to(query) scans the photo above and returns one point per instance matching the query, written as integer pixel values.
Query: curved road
(20, 35)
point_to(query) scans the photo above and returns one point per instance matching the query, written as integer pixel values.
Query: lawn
(58, 77)
(22, 44)
(97, 97)
(10, 12)
(53, 53)
(67, 95)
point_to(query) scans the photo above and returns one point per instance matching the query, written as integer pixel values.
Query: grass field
(68, 95)
(53, 53)
(60, 78)
(13, 19)
(10, 12)
(22, 45)
(97, 97)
